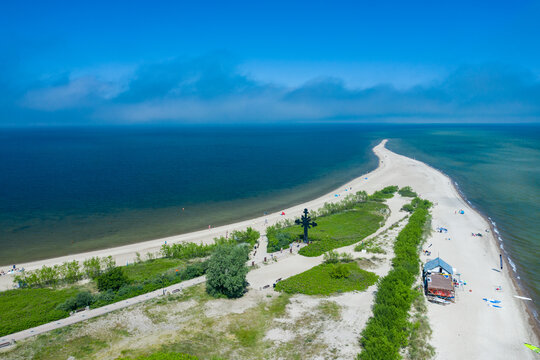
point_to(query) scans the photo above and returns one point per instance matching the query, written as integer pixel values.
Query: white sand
(468, 329)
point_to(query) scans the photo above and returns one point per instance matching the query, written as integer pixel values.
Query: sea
(74, 189)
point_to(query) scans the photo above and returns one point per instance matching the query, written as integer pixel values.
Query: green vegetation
(21, 309)
(81, 300)
(250, 236)
(407, 191)
(227, 270)
(191, 250)
(349, 202)
(416, 202)
(326, 279)
(282, 234)
(163, 356)
(34, 305)
(143, 270)
(25, 308)
(386, 331)
(342, 229)
(384, 194)
(333, 257)
(112, 279)
(339, 224)
(67, 273)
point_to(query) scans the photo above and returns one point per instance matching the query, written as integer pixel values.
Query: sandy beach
(467, 329)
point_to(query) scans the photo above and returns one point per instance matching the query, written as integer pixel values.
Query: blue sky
(236, 62)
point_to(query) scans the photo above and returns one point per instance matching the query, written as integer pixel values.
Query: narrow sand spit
(468, 329)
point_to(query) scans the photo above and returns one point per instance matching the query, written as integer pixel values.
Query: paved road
(88, 314)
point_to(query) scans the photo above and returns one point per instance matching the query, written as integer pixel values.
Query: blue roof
(438, 262)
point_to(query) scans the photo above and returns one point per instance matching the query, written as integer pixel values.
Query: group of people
(11, 271)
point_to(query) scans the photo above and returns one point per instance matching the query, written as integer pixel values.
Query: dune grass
(320, 280)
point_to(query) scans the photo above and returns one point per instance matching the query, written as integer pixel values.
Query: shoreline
(466, 328)
(127, 253)
(532, 312)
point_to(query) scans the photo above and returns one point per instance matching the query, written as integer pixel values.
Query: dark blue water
(75, 189)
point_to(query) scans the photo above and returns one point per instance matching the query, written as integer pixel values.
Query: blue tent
(430, 265)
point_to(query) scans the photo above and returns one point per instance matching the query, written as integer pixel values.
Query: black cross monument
(306, 223)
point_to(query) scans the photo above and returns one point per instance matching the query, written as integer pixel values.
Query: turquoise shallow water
(75, 189)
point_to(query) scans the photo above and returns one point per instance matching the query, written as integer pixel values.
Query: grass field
(21, 309)
(341, 229)
(25, 308)
(319, 281)
(146, 269)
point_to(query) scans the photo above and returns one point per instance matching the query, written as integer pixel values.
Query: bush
(382, 195)
(81, 300)
(227, 270)
(331, 257)
(408, 207)
(407, 191)
(113, 279)
(339, 271)
(277, 239)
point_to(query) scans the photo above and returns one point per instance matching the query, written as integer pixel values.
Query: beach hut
(438, 282)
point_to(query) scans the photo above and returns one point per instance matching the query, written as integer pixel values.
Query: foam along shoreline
(467, 329)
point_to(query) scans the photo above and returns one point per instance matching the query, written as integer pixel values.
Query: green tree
(226, 274)
(112, 279)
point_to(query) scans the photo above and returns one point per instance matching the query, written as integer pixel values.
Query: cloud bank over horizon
(213, 89)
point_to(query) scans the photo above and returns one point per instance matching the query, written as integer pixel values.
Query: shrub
(408, 207)
(81, 300)
(227, 270)
(407, 191)
(383, 194)
(113, 279)
(339, 271)
(331, 257)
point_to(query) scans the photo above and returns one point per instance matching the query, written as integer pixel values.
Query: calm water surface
(70, 190)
